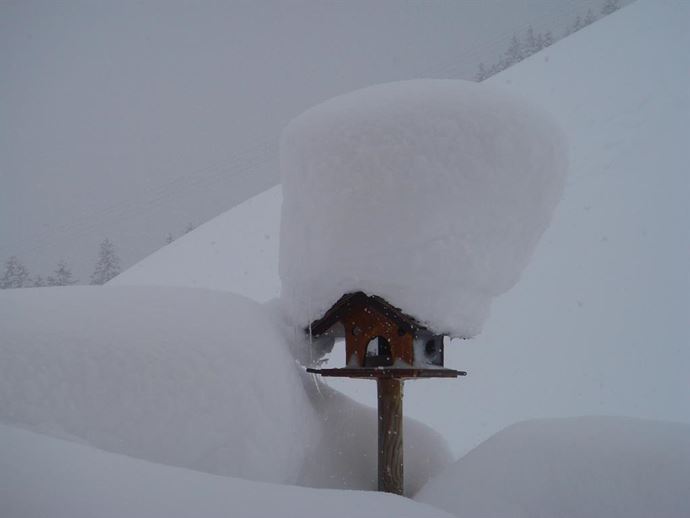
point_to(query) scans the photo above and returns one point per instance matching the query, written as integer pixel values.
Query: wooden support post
(390, 434)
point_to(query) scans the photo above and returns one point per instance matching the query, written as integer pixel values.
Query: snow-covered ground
(45, 477)
(189, 377)
(576, 467)
(192, 378)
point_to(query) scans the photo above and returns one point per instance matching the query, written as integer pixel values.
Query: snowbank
(187, 377)
(192, 378)
(346, 454)
(429, 193)
(571, 468)
(42, 476)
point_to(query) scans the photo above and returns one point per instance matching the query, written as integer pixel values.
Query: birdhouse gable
(352, 303)
(378, 334)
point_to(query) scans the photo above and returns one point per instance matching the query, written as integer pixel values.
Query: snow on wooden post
(390, 406)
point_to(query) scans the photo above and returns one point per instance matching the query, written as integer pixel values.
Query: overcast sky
(130, 120)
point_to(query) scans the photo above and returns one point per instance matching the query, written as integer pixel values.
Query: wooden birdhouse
(383, 343)
(381, 340)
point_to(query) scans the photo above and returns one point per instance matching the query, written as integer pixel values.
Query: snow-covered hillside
(597, 325)
(236, 252)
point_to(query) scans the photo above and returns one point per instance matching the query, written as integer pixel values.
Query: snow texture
(429, 193)
(236, 251)
(571, 468)
(41, 476)
(345, 455)
(191, 378)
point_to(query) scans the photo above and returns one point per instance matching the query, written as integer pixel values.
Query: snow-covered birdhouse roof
(352, 302)
(429, 193)
(381, 340)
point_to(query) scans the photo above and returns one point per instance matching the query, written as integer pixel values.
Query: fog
(134, 120)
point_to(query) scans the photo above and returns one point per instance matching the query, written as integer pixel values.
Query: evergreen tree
(62, 277)
(39, 282)
(548, 39)
(531, 46)
(514, 53)
(169, 239)
(108, 264)
(610, 6)
(589, 18)
(577, 25)
(15, 275)
(498, 67)
(481, 73)
(190, 227)
(540, 41)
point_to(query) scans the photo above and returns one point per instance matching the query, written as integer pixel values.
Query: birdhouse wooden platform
(381, 341)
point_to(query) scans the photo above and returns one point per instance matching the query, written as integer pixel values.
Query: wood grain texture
(390, 413)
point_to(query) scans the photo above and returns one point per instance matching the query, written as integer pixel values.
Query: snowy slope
(187, 377)
(597, 324)
(571, 468)
(41, 476)
(237, 251)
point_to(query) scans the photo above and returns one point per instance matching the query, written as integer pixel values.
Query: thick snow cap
(429, 193)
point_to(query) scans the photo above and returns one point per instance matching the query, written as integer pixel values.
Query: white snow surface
(193, 378)
(41, 476)
(346, 455)
(429, 193)
(188, 377)
(237, 251)
(571, 468)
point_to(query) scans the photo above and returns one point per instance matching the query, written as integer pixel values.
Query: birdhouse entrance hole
(378, 353)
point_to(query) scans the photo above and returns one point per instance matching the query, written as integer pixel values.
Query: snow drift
(429, 193)
(571, 468)
(42, 476)
(186, 377)
(346, 455)
(192, 378)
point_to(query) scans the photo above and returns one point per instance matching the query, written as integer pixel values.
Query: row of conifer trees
(523, 47)
(16, 275)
